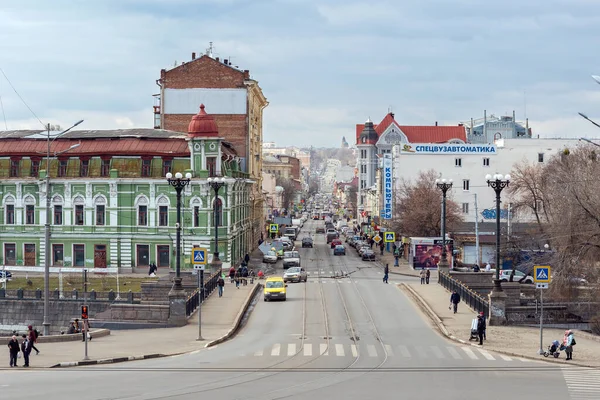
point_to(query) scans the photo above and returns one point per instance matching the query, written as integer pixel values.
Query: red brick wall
(203, 72)
(295, 167)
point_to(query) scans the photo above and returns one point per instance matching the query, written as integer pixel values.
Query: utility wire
(26, 105)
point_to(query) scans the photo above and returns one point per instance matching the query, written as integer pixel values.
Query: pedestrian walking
(454, 300)
(231, 274)
(221, 285)
(480, 327)
(484, 324)
(381, 247)
(569, 342)
(396, 257)
(386, 273)
(247, 258)
(32, 335)
(26, 350)
(427, 275)
(13, 351)
(422, 275)
(237, 278)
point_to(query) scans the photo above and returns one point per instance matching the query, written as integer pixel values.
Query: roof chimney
(193, 56)
(225, 61)
(217, 59)
(435, 123)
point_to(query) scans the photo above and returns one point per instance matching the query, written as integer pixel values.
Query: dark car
(339, 250)
(307, 242)
(5, 274)
(368, 255)
(320, 229)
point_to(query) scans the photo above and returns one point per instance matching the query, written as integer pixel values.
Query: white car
(505, 276)
(270, 257)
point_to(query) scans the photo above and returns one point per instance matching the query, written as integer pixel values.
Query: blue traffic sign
(198, 256)
(389, 237)
(541, 274)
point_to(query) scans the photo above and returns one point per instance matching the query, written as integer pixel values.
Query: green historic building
(110, 203)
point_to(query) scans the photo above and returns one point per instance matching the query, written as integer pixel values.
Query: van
(275, 289)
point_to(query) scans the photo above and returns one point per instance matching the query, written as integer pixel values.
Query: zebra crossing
(373, 351)
(582, 383)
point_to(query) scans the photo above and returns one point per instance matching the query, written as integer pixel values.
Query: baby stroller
(553, 349)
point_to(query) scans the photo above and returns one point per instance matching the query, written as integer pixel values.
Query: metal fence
(198, 296)
(473, 300)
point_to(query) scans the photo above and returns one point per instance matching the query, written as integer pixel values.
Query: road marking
(422, 352)
(276, 349)
(486, 354)
(259, 353)
(582, 383)
(354, 350)
(372, 350)
(453, 353)
(470, 353)
(339, 350)
(438, 353)
(308, 349)
(390, 350)
(404, 351)
(505, 358)
(323, 349)
(291, 349)
(524, 360)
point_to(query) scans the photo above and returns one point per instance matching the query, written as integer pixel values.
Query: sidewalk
(219, 317)
(512, 340)
(403, 267)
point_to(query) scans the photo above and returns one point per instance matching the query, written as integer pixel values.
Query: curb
(238, 319)
(109, 360)
(381, 265)
(440, 325)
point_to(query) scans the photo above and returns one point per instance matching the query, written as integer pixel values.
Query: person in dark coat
(454, 300)
(386, 272)
(247, 258)
(427, 276)
(32, 338)
(13, 350)
(481, 325)
(26, 349)
(221, 285)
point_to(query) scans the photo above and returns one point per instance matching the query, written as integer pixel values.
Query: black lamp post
(216, 184)
(178, 183)
(497, 182)
(444, 185)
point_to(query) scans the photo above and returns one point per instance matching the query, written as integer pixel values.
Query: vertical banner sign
(387, 186)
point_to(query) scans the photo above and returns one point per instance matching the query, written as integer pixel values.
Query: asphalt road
(343, 333)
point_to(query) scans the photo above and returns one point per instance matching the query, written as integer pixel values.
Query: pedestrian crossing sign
(541, 274)
(390, 237)
(274, 228)
(198, 256)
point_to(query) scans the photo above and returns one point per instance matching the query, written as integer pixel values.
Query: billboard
(388, 197)
(428, 253)
(428, 148)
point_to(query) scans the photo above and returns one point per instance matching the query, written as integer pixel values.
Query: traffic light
(84, 312)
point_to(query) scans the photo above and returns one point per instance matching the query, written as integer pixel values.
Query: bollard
(56, 294)
(20, 293)
(111, 295)
(75, 294)
(2, 293)
(93, 295)
(38, 293)
(130, 297)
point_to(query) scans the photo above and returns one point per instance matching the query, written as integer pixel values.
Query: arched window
(218, 212)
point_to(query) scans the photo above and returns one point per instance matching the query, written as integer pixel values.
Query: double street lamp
(179, 183)
(498, 183)
(444, 185)
(49, 141)
(216, 184)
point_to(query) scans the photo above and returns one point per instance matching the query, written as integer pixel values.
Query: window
(10, 214)
(540, 157)
(142, 215)
(458, 162)
(10, 254)
(465, 208)
(62, 168)
(146, 168)
(211, 165)
(78, 255)
(35, 168)
(465, 184)
(218, 213)
(30, 214)
(486, 162)
(100, 214)
(79, 214)
(196, 216)
(58, 215)
(166, 167)
(105, 167)
(363, 154)
(14, 168)
(84, 167)
(57, 254)
(163, 216)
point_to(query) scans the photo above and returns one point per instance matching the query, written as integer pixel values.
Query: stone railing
(38, 294)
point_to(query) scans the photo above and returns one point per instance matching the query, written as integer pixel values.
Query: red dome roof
(202, 125)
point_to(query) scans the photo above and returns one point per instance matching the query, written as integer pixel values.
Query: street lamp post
(46, 322)
(498, 183)
(179, 183)
(444, 185)
(216, 184)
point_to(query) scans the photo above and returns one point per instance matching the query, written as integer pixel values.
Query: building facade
(110, 203)
(236, 102)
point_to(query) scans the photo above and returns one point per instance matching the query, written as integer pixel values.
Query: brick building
(236, 101)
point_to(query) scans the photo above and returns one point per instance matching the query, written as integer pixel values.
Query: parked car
(295, 274)
(339, 250)
(505, 276)
(320, 229)
(270, 257)
(335, 242)
(307, 242)
(363, 248)
(5, 274)
(368, 255)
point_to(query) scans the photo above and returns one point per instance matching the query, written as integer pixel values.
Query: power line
(17, 93)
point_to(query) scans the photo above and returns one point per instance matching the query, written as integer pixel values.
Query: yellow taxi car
(275, 288)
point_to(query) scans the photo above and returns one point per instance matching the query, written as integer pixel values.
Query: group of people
(25, 347)
(425, 274)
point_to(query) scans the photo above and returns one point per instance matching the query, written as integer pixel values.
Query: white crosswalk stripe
(354, 350)
(390, 350)
(404, 351)
(486, 355)
(291, 349)
(372, 350)
(453, 353)
(324, 350)
(469, 353)
(308, 349)
(339, 350)
(276, 349)
(582, 383)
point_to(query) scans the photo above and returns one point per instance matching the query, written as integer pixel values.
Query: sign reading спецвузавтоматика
(429, 148)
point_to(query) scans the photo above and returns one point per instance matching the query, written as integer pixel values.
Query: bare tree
(527, 190)
(289, 191)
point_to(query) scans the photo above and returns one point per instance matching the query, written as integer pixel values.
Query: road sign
(390, 237)
(541, 286)
(198, 256)
(377, 239)
(541, 274)
(273, 228)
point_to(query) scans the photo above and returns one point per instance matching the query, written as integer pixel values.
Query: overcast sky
(324, 65)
